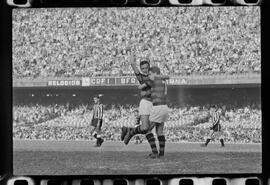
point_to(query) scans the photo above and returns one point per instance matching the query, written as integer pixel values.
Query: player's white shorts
(159, 114)
(145, 107)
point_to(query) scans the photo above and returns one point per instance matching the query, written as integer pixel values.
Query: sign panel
(64, 83)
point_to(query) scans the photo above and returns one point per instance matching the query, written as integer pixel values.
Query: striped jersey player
(97, 119)
(216, 127)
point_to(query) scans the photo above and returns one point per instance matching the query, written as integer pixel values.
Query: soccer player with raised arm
(145, 102)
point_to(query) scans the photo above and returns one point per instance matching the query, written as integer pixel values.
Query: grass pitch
(36, 157)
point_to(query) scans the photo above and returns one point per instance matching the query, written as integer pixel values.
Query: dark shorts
(216, 128)
(94, 123)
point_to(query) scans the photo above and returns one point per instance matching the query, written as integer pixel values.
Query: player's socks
(95, 135)
(99, 141)
(151, 139)
(136, 130)
(207, 141)
(124, 132)
(161, 140)
(222, 142)
(131, 132)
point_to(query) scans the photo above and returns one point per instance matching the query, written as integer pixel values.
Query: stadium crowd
(189, 123)
(34, 114)
(95, 41)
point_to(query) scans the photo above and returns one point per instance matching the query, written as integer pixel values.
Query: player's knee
(160, 133)
(144, 130)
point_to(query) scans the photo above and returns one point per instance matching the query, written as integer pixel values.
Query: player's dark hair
(214, 107)
(155, 69)
(144, 62)
(98, 96)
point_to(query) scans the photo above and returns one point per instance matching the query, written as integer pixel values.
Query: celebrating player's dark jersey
(145, 91)
(145, 102)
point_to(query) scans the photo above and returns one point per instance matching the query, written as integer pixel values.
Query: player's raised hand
(132, 58)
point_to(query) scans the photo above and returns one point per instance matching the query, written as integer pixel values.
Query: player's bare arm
(142, 86)
(133, 64)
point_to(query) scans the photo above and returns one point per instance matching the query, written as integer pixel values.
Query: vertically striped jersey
(98, 111)
(137, 120)
(159, 91)
(145, 92)
(216, 118)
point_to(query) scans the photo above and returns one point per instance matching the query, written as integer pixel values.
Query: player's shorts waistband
(155, 104)
(147, 99)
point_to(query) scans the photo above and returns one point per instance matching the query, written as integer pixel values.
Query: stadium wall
(236, 89)
(176, 95)
(127, 81)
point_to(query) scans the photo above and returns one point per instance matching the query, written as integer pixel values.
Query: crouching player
(215, 128)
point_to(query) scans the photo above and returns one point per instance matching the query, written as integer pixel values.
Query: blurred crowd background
(189, 123)
(78, 42)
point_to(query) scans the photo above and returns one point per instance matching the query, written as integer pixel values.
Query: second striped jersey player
(215, 128)
(97, 119)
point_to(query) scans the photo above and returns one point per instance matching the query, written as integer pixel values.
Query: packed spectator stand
(189, 123)
(95, 41)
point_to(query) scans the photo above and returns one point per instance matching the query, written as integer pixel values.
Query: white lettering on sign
(85, 81)
(123, 81)
(177, 81)
(133, 80)
(97, 81)
(64, 83)
(128, 80)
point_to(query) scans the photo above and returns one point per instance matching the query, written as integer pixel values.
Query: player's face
(145, 68)
(136, 113)
(95, 100)
(212, 110)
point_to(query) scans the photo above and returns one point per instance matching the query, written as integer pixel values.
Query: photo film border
(44, 3)
(252, 180)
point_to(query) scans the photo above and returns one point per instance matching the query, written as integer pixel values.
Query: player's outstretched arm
(133, 64)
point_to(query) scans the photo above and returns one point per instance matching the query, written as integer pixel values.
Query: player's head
(97, 98)
(213, 108)
(136, 112)
(154, 71)
(145, 66)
